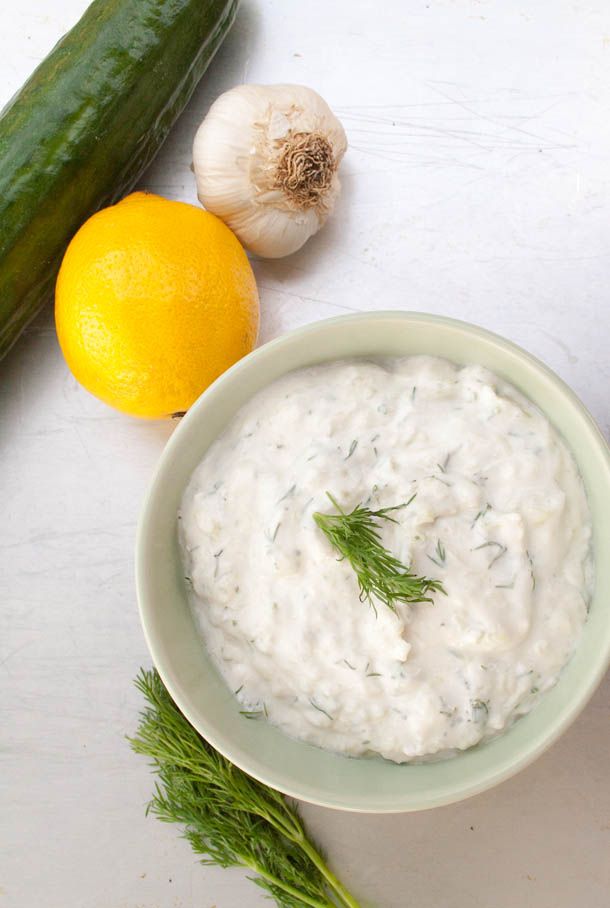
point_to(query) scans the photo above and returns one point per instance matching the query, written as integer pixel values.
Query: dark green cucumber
(84, 127)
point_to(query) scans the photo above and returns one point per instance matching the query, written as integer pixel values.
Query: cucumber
(84, 127)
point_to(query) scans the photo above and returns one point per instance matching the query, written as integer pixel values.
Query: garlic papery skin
(265, 159)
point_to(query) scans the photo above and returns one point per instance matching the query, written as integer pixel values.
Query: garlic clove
(265, 160)
(275, 235)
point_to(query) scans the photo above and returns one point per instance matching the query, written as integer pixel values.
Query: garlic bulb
(265, 159)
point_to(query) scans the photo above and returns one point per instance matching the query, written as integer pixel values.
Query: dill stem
(286, 887)
(291, 827)
(336, 885)
(279, 814)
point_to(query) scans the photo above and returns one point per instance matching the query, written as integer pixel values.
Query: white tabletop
(477, 185)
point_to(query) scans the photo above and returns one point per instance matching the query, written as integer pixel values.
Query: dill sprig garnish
(228, 818)
(355, 535)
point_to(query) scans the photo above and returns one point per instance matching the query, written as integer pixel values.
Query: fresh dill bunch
(355, 535)
(229, 818)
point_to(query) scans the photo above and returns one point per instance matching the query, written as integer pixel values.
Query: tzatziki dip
(497, 514)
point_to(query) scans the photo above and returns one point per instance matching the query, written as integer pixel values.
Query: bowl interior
(266, 753)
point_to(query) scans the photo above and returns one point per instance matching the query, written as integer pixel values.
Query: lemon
(154, 300)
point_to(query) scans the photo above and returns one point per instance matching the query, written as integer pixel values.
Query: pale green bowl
(299, 769)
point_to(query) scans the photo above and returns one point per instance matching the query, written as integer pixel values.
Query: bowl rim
(491, 777)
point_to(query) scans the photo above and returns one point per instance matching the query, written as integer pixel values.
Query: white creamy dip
(499, 516)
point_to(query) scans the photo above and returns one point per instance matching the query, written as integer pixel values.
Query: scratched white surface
(477, 184)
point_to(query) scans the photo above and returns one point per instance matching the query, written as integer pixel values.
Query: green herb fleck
(320, 710)
(251, 713)
(443, 466)
(352, 448)
(217, 561)
(485, 545)
(440, 556)
(498, 556)
(481, 514)
(531, 563)
(288, 493)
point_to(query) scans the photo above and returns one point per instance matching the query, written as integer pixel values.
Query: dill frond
(228, 818)
(355, 536)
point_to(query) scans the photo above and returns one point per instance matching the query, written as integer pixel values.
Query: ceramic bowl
(298, 769)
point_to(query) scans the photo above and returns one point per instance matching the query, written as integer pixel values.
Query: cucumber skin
(84, 127)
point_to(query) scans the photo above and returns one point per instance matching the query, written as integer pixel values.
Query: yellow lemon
(154, 299)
